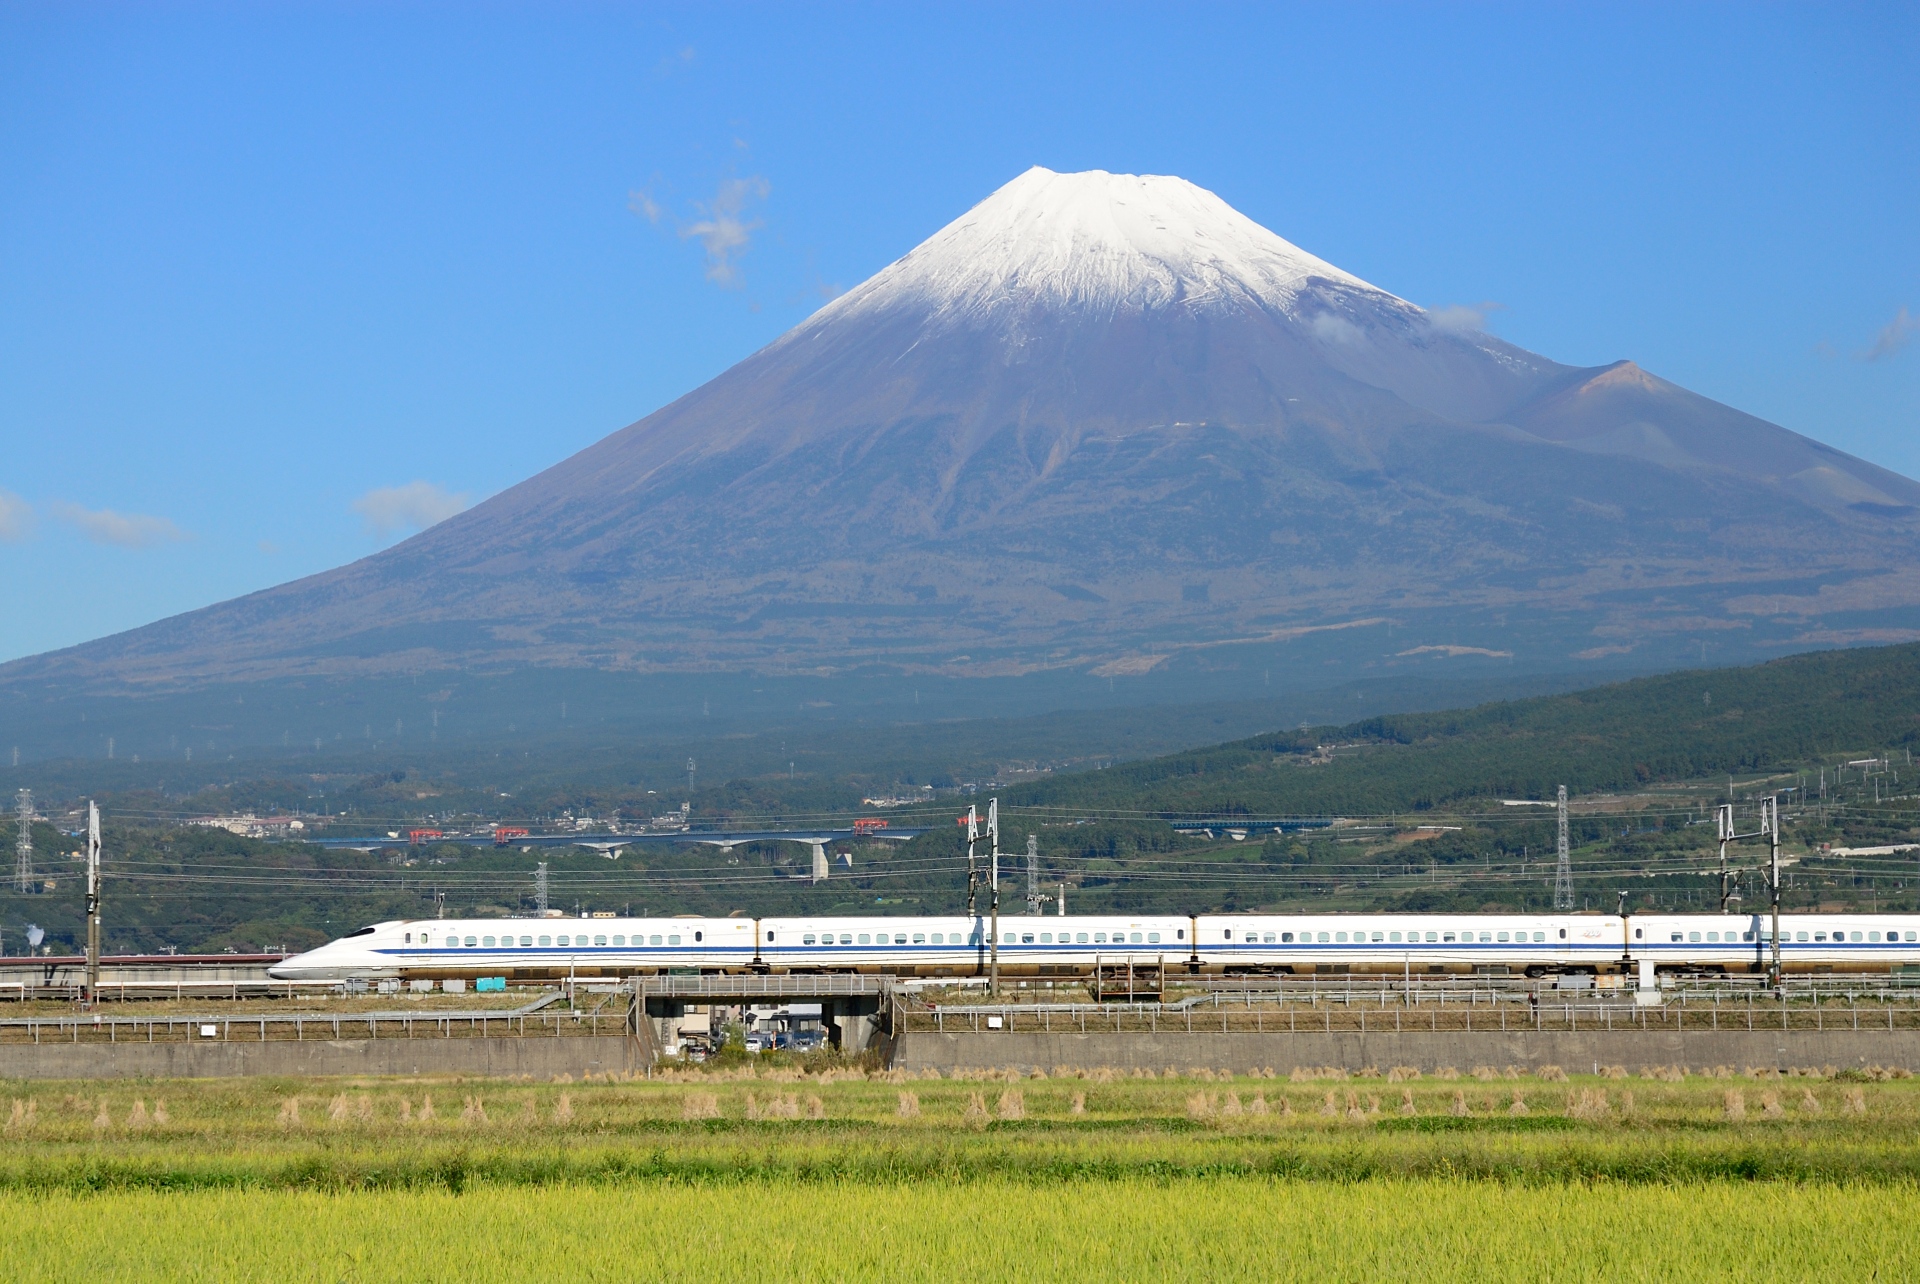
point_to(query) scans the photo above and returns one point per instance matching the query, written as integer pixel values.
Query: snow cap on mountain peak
(1098, 243)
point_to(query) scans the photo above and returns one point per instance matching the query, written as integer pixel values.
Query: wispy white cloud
(1332, 328)
(642, 202)
(414, 506)
(723, 229)
(1893, 336)
(1463, 318)
(122, 530)
(16, 518)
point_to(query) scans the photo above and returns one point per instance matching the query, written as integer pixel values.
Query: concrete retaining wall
(541, 1058)
(1426, 1051)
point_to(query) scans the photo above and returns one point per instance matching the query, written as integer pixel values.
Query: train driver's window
(1286, 938)
(546, 940)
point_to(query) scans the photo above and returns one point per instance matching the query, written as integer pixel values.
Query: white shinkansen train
(1501, 944)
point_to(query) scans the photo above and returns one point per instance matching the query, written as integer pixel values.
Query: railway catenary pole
(1723, 825)
(1770, 823)
(993, 837)
(93, 900)
(972, 822)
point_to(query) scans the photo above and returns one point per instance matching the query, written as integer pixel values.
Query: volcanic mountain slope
(1099, 421)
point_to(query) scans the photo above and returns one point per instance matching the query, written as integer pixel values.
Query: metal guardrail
(528, 1021)
(782, 985)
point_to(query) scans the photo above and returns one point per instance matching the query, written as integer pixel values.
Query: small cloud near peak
(723, 229)
(414, 506)
(1893, 336)
(122, 530)
(1463, 318)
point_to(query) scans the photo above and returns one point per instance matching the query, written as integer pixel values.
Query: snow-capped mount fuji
(1105, 423)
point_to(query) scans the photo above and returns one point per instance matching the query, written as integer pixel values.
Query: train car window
(846, 938)
(1046, 938)
(619, 940)
(1268, 938)
(1799, 936)
(1503, 936)
(1180, 935)
(526, 942)
(1395, 936)
(1026, 938)
(865, 939)
(1745, 936)
(1079, 938)
(1227, 935)
(601, 940)
(1340, 936)
(1818, 936)
(1563, 934)
(409, 940)
(1540, 936)
(1679, 936)
(1873, 936)
(487, 941)
(939, 938)
(1856, 936)
(546, 940)
(699, 936)
(1153, 938)
(671, 940)
(1099, 938)
(1449, 937)
(470, 942)
(1713, 936)
(1911, 936)
(919, 938)
(1286, 938)
(1135, 940)
(1323, 938)
(805, 940)
(1378, 936)
(1692, 936)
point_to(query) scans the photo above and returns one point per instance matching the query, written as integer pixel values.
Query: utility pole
(1723, 826)
(689, 782)
(1061, 902)
(540, 888)
(1033, 876)
(1563, 877)
(1770, 826)
(993, 837)
(93, 901)
(23, 845)
(973, 869)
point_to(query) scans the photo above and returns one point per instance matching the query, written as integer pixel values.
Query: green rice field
(845, 1175)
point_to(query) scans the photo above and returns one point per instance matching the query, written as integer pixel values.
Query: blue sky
(279, 282)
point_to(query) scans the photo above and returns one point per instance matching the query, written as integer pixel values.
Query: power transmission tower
(1033, 876)
(23, 845)
(540, 888)
(1563, 876)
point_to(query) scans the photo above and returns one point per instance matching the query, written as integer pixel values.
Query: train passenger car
(1427, 944)
(958, 946)
(525, 949)
(1808, 942)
